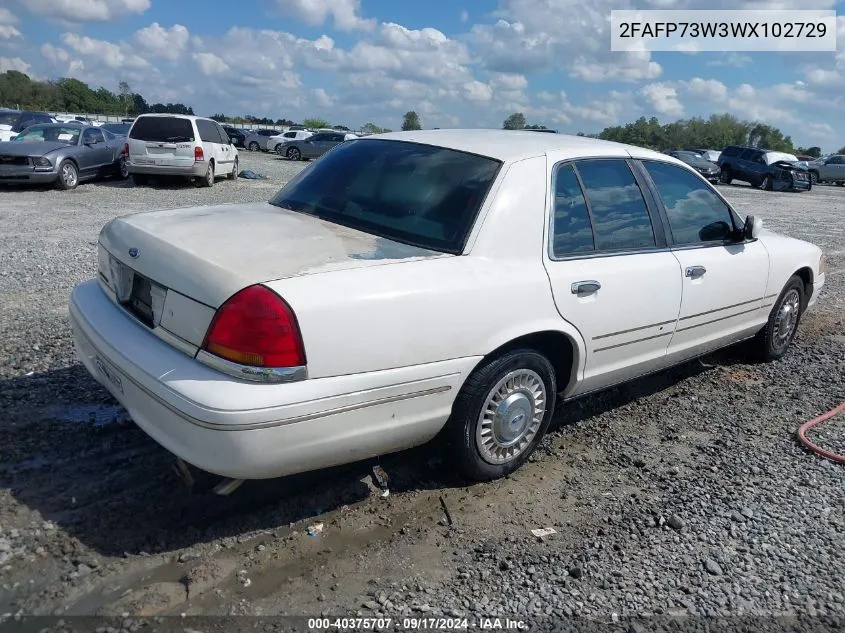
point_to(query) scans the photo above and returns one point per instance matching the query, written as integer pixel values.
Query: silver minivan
(179, 145)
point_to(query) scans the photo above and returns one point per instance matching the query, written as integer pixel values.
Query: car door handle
(585, 287)
(694, 272)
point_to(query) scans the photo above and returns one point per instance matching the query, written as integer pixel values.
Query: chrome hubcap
(787, 318)
(69, 175)
(511, 416)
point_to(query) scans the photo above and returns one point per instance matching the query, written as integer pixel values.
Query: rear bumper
(195, 169)
(200, 414)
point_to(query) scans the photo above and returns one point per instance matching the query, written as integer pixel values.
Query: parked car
(118, 129)
(257, 140)
(14, 121)
(61, 154)
(180, 145)
(316, 145)
(236, 135)
(772, 171)
(279, 142)
(707, 154)
(700, 164)
(263, 339)
(828, 169)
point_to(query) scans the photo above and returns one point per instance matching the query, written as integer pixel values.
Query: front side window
(617, 208)
(571, 227)
(92, 136)
(418, 194)
(696, 214)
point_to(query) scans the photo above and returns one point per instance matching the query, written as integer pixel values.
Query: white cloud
(664, 99)
(85, 10)
(7, 17)
(210, 64)
(322, 98)
(346, 14)
(731, 59)
(15, 63)
(8, 30)
(478, 91)
(464, 16)
(54, 54)
(571, 35)
(163, 42)
(708, 89)
(110, 54)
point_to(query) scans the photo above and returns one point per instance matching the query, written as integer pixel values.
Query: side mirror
(752, 227)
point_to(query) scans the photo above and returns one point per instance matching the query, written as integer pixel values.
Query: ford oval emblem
(134, 252)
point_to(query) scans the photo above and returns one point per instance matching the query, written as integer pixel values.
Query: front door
(724, 280)
(96, 153)
(610, 275)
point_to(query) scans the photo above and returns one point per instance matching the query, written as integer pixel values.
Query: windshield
(9, 118)
(161, 129)
(54, 133)
(774, 157)
(417, 194)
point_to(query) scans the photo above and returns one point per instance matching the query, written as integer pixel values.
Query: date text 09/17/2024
(416, 623)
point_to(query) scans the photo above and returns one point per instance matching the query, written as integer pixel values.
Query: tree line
(716, 132)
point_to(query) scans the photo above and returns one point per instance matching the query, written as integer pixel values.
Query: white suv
(179, 145)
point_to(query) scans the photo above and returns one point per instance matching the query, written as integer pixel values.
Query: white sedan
(408, 284)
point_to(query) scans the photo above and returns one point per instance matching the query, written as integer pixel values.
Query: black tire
(276, 148)
(725, 175)
(140, 180)
(68, 177)
(841, 183)
(235, 167)
(770, 343)
(814, 177)
(293, 153)
(208, 179)
(766, 183)
(254, 146)
(462, 429)
(122, 170)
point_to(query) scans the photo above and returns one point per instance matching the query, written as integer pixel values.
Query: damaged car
(766, 169)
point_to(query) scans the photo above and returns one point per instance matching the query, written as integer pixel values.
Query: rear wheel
(725, 175)
(766, 183)
(68, 175)
(501, 413)
(208, 179)
(774, 340)
(234, 174)
(254, 147)
(123, 169)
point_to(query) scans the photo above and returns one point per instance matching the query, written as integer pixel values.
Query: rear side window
(418, 194)
(290, 134)
(695, 213)
(162, 129)
(572, 230)
(208, 131)
(731, 151)
(617, 208)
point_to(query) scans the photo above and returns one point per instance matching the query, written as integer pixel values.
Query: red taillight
(256, 327)
(198, 155)
(126, 149)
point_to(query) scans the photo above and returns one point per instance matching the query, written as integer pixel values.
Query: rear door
(229, 152)
(834, 169)
(611, 274)
(212, 148)
(162, 140)
(724, 279)
(314, 146)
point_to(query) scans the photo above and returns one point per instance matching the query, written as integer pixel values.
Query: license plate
(109, 374)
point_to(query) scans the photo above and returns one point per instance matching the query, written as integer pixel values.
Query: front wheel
(774, 339)
(254, 147)
(68, 175)
(501, 413)
(814, 177)
(294, 154)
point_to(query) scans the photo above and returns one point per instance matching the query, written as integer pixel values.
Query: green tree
(125, 96)
(411, 121)
(815, 152)
(516, 121)
(372, 128)
(315, 123)
(841, 150)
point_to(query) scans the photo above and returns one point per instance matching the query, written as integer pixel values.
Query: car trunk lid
(209, 253)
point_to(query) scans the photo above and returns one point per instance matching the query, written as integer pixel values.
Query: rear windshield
(162, 129)
(417, 194)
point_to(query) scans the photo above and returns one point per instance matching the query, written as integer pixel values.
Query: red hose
(802, 435)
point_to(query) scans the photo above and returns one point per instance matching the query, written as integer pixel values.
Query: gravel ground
(681, 494)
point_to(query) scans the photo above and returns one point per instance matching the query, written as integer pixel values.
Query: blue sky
(459, 63)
